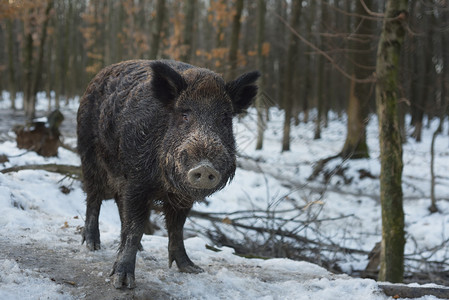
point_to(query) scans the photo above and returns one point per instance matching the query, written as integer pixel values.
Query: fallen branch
(67, 170)
(68, 147)
(320, 166)
(278, 231)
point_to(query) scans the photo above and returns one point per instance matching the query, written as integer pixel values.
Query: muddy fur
(142, 125)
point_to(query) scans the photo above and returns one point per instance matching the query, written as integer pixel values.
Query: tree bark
(393, 240)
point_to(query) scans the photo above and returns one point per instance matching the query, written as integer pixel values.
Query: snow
(37, 216)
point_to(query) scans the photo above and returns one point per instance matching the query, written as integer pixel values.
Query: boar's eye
(185, 116)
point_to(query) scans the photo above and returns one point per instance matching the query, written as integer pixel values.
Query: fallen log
(404, 291)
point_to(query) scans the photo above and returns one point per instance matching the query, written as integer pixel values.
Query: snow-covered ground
(41, 256)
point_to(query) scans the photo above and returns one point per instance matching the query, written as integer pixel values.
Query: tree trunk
(309, 63)
(319, 96)
(30, 113)
(157, 29)
(393, 240)
(28, 61)
(50, 69)
(235, 34)
(291, 56)
(188, 30)
(355, 145)
(261, 9)
(359, 93)
(11, 68)
(422, 65)
(279, 66)
(321, 77)
(433, 208)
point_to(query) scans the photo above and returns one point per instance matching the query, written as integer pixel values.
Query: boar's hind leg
(91, 232)
(175, 219)
(94, 186)
(134, 211)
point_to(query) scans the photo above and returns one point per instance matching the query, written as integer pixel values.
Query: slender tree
(157, 28)
(261, 9)
(28, 67)
(31, 109)
(291, 56)
(393, 240)
(235, 34)
(321, 76)
(359, 95)
(189, 12)
(11, 66)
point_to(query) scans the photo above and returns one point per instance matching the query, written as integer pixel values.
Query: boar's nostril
(203, 176)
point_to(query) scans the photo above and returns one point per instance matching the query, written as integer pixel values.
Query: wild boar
(156, 132)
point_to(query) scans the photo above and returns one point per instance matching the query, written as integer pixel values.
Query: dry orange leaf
(226, 220)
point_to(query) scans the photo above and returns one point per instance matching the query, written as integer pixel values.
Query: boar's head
(197, 154)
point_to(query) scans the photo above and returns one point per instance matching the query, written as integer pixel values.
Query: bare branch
(373, 16)
(370, 12)
(330, 59)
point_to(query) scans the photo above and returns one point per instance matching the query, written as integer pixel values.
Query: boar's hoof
(140, 247)
(194, 269)
(183, 262)
(203, 176)
(92, 241)
(122, 279)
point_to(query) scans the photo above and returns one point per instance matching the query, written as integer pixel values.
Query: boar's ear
(243, 90)
(166, 83)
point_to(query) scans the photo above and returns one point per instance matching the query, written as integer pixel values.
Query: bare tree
(11, 65)
(234, 47)
(359, 95)
(188, 30)
(288, 81)
(157, 29)
(261, 9)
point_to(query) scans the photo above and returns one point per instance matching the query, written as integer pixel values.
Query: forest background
(315, 56)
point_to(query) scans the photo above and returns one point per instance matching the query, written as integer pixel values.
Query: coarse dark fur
(142, 127)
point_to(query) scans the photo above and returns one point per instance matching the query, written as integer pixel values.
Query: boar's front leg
(175, 219)
(134, 206)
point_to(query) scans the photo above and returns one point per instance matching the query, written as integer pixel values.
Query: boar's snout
(203, 176)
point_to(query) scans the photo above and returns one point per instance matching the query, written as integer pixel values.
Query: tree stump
(41, 137)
